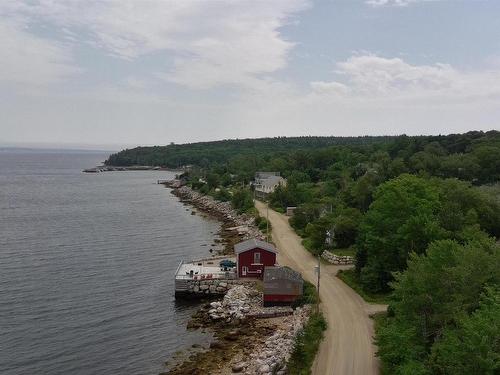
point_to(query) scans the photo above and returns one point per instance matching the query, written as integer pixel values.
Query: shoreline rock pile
(242, 224)
(337, 259)
(243, 301)
(237, 303)
(277, 349)
(214, 286)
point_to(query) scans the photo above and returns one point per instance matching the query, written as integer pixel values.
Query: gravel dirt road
(347, 348)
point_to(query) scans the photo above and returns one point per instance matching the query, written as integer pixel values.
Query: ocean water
(86, 266)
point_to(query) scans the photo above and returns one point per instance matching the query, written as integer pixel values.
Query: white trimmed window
(256, 258)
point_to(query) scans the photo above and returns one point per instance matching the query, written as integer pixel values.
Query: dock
(204, 276)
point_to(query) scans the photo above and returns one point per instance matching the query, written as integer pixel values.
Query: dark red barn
(252, 256)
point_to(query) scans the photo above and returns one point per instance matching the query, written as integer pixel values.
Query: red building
(282, 286)
(252, 256)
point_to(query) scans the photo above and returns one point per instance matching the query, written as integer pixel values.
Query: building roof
(271, 181)
(266, 174)
(281, 273)
(252, 244)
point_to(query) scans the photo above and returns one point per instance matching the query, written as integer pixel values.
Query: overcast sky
(154, 72)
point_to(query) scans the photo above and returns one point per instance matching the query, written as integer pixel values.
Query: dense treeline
(421, 215)
(474, 156)
(409, 213)
(445, 314)
(207, 153)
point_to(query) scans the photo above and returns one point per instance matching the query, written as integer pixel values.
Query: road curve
(347, 348)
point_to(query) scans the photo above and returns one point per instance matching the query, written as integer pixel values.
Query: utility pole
(318, 272)
(267, 223)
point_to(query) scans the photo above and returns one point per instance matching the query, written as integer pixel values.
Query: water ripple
(87, 261)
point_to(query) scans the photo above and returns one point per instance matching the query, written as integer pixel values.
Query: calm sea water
(86, 266)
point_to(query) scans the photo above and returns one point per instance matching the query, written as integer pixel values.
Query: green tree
(346, 226)
(473, 347)
(463, 166)
(438, 291)
(362, 190)
(402, 219)
(212, 181)
(305, 214)
(489, 160)
(242, 200)
(316, 232)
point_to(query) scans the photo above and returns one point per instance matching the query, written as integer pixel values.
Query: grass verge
(306, 345)
(379, 319)
(263, 224)
(307, 243)
(309, 295)
(350, 278)
(349, 251)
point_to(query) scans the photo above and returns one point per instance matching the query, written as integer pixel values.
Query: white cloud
(205, 44)
(28, 59)
(330, 88)
(378, 3)
(208, 43)
(371, 76)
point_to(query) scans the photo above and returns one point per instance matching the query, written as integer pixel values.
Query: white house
(267, 182)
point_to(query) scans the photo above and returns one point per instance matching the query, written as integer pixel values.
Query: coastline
(250, 344)
(228, 340)
(235, 227)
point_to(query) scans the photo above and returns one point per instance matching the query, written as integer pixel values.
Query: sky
(112, 74)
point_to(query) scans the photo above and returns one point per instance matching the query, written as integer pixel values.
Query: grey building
(282, 286)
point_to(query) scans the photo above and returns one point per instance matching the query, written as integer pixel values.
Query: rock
(276, 349)
(264, 369)
(216, 345)
(238, 367)
(336, 259)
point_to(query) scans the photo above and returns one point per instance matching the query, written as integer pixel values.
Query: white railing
(178, 267)
(209, 276)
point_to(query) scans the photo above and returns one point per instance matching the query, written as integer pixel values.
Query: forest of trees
(206, 154)
(421, 214)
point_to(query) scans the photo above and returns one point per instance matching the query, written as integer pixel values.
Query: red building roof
(254, 243)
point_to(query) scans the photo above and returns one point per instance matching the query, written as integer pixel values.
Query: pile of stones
(272, 356)
(337, 259)
(243, 224)
(238, 302)
(242, 301)
(210, 286)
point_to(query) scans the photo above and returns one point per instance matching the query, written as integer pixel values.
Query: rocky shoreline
(235, 227)
(248, 338)
(245, 342)
(273, 355)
